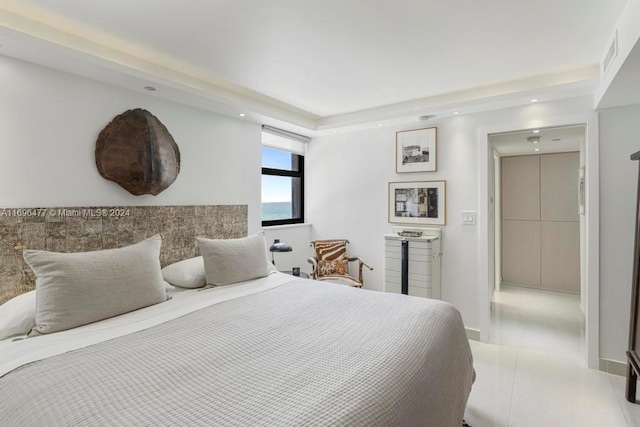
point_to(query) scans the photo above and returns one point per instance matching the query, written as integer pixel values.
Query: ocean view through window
(276, 210)
(276, 197)
(282, 184)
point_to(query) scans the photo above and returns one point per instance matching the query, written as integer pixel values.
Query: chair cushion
(330, 249)
(337, 267)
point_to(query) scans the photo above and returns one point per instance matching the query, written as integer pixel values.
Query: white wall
(347, 181)
(298, 237)
(619, 138)
(49, 123)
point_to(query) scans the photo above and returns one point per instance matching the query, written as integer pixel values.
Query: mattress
(275, 351)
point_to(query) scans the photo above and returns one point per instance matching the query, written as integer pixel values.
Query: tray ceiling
(322, 65)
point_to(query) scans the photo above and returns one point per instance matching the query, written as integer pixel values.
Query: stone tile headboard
(81, 229)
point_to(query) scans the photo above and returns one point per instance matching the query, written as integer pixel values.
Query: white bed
(18, 350)
(275, 350)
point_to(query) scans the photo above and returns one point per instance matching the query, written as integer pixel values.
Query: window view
(282, 187)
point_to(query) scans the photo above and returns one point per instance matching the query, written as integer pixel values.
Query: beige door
(540, 222)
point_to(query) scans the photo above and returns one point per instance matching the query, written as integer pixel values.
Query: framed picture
(418, 202)
(581, 191)
(416, 150)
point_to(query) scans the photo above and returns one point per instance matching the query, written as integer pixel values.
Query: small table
(302, 274)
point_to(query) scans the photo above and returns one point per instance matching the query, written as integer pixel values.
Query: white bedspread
(17, 353)
(277, 351)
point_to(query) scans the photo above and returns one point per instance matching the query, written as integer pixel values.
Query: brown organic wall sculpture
(137, 152)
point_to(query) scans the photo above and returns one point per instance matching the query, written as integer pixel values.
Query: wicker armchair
(331, 263)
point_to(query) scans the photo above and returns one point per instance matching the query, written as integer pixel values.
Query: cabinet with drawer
(422, 265)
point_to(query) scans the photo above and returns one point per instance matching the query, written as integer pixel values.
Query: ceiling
(317, 66)
(547, 140)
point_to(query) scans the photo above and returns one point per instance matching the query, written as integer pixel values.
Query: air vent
(612, 52)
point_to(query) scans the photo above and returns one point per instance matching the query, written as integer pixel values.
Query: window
(282, 177)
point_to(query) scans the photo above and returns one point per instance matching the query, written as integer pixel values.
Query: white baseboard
(613, 367)
(473, 334)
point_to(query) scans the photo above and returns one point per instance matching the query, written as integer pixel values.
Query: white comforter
(15, 353)
(274, 351)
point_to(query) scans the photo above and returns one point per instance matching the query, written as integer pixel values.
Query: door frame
(497, 221)
(592, 224)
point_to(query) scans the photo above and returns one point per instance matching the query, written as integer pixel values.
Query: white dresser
(422, 266)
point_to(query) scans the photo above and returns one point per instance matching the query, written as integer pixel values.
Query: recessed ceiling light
(534, 99)
(533, 139)
(536, 131)
(536, 149)
(380, 125)
(335, 131)
(455, 113)
(150, 88)
(242, 114)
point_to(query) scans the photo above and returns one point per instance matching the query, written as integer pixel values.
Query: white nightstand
(422, 263)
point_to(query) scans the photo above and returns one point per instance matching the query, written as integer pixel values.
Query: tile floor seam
(520, 320)
(620, 404)
(513, 386)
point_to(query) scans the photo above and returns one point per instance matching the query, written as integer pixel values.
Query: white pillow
(188, 273)
(73, 289)
(272, 269)
(18, 315)
(229, 261)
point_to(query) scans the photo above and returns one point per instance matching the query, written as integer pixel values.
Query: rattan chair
(331, 263)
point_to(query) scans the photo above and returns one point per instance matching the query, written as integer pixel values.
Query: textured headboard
(80, 229)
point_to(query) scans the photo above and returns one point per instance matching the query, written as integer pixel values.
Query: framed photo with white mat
(418, 202)
(416, 150)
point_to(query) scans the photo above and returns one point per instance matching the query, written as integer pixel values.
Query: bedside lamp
(278, 247)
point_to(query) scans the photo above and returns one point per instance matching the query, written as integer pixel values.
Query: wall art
(137, 152)
(418, 202)
(416, 150)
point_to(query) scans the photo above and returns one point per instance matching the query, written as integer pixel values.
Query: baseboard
(613, 367)
(538, 288)
(473, 334)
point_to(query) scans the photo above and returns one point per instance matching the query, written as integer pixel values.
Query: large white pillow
(17, 316)
(229, 261)
(73, 289)
(188, 273)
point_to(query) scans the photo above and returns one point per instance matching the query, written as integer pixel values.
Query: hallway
(533, 372)
(540, 320)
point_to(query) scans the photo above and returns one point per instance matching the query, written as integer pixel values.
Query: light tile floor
(534, 373)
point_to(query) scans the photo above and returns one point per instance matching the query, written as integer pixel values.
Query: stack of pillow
(223, 262)
(74, 289)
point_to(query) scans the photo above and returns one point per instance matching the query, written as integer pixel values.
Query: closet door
(559, 187)
(521, 220)
(540, 221)
(521, 252)
(521, 188)
(560, 226)
(560, 256)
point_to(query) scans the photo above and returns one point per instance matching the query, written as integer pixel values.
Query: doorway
(522, 302)
(536, 297)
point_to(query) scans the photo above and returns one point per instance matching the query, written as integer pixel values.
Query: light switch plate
(468, 218)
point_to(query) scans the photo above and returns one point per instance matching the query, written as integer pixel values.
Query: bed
(271, 350)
